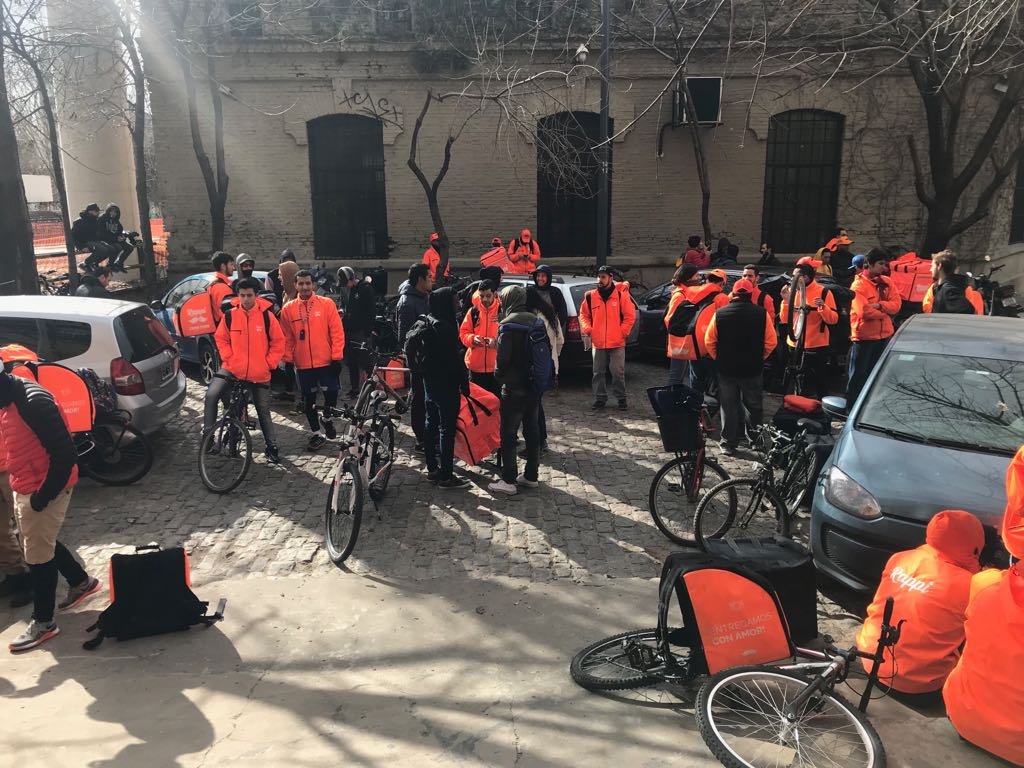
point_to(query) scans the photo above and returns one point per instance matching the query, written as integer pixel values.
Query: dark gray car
(934, 428)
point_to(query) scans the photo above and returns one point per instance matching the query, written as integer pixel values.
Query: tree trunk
(217, 224)
(57, 166)
(18, 272)
(701, 161)
(148, 263)
(937, 225)
(431, 189)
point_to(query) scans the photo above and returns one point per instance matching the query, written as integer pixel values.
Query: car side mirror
(834, 407)
(157, 305)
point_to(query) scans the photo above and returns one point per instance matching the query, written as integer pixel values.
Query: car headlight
(844, 492)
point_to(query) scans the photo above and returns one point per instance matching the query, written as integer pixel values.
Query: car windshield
(961, 402)
(579, 291)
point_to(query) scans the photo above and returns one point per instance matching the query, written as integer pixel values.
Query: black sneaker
(418, 448)
(316, 442)
(623, 405)
(272, 454)
(455, 484)
(432, 477)
(597, 405)
(329, 429)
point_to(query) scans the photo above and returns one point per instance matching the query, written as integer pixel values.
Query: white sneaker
(500, 486)
(521, 480)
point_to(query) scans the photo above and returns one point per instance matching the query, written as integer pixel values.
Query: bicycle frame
(704, 422)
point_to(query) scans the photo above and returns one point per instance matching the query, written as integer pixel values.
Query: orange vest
(984, 694)
(480, 359)
(314, 336)
(818, 320)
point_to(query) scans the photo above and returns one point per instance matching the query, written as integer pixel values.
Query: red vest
(23, 455)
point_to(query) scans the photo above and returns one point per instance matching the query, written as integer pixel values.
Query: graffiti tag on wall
(364, 103)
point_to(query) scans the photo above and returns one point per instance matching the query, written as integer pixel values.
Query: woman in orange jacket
(479, 335)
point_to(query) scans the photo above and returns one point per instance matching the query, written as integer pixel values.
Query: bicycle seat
(810, 426)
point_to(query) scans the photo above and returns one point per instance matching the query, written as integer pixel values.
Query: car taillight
(572, 329)
(126, 377)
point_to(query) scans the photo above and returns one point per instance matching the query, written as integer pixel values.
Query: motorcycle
(1000, 298)
(325, 281)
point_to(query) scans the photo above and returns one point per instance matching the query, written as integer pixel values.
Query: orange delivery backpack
(478, 428)
(730, 615)
(69, 391)
(912, 276)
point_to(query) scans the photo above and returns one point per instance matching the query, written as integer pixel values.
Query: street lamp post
(603, 202)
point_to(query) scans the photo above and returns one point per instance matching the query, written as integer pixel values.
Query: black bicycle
(762, 505)
(225, 452)
(678, 485)
(785, 714)
(114, 451)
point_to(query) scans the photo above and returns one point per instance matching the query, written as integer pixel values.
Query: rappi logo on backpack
(910, 583)
(195, 316)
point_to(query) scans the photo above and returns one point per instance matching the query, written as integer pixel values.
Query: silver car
(121, 340)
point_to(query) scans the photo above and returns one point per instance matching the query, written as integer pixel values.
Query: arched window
(801, 179)
(567, 166)
(346, 180)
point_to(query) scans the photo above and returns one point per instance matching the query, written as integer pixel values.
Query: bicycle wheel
(741, 717)
(797, 480)
(225, 455)
(606, 666)
(382, 456)
(739, 508)
(343, 512)
(675, 492)
(122, 454)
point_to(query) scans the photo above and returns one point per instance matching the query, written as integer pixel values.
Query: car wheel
(208, 363)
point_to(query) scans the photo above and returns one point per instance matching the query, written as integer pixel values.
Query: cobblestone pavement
(587, 521)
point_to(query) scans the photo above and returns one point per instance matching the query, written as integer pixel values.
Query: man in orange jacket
(819, 311)
(739, 338)
(930, 586)
(251, 344)
(876, 301)
(523, 254)
(479, 335)
(432, 257)
(607, 315)
(685, 280)
(702, 369)
(314, 341)
(984, 693)
(222, 287)
(951, 293)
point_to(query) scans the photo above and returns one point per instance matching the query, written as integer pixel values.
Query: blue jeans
(442, 406)
(678, 372)
(702, 373)
(862, 359)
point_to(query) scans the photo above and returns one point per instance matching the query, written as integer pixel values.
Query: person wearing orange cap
(819, 308)
(432, 257)
(930, 587)
(739, 338)
(523, 254)
(984, 694)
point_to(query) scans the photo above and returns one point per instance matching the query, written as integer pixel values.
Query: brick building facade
(317, 137)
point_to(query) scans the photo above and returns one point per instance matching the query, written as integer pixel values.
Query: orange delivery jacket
(480, 321)
(324, 339)
(253, 345)
(818, 319)
(930, 586)
(866, 322)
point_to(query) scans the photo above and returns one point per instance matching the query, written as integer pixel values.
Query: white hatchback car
(121, 340)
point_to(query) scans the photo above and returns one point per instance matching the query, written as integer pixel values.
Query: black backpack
(418, 345)
(684, 320)
(150, 595)
(952, 299)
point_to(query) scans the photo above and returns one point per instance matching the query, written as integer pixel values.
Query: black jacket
(411, 304)
(361, 309)
(740, 326)
(83, 231)
(512, 365)
(446, 363)
(553, 296)
(93, 288)
(950, 298)
(109, 230)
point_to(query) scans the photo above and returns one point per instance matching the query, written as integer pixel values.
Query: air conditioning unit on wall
(707, 100)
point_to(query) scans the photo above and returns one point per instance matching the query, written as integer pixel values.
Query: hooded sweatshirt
(930, 586)
(552, 295)
(512, 368)
(411, 304)
(445, 364)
